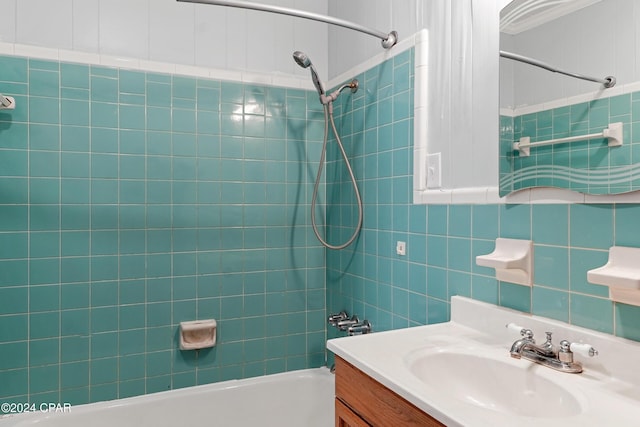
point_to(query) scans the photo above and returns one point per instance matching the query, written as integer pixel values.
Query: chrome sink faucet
(546, 354)
(529, 344)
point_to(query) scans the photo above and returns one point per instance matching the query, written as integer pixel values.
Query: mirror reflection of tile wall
(587, 166)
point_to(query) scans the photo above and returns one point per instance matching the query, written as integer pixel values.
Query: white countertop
(608, 391)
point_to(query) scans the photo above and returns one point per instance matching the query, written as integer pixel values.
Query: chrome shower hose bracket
(354, 85)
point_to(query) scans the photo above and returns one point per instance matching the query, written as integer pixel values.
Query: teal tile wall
(368, 278)
(593, 157)
(376, 125)
(132, 201)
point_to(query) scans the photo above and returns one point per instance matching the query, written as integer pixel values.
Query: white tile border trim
(539, 195)
(572, 100)
(62, 55)
(420, 123)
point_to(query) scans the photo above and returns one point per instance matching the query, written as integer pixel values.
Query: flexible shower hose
(328, 117)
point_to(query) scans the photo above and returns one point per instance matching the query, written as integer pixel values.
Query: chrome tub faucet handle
(334, 319)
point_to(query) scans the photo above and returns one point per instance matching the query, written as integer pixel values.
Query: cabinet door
(345, 417)
(374, 402)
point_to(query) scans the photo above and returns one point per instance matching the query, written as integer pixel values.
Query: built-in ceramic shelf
(621, 274)
(512, 259)
(198, 334)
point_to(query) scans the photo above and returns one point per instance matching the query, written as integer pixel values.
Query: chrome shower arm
(328, 99)
(388, 40)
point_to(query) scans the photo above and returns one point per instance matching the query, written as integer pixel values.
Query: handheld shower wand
(327, 101)
(303, 60)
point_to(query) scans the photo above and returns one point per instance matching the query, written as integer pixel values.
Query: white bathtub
(297, 399)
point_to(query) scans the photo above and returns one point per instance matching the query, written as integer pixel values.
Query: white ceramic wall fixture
(512, 260)
(621, 274)
(198, 334)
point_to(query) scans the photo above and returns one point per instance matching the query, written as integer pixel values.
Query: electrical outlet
(401, 248)
(434, 171)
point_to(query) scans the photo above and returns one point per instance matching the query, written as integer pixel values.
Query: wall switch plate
(434, 171)
(401, 248)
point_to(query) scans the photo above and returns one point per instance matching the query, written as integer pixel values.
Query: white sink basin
(494, 384)
(460, 372)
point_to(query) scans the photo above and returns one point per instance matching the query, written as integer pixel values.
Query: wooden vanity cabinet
(362, 401)
(345, 417)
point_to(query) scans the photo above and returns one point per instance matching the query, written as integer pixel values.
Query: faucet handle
(567, 349)
(343, 325)
(583, 349)
(513, 327)
(337, 317)
(359, 328)
(527, 333)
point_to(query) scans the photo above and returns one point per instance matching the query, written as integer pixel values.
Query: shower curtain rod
(607, 82)
(388, 40)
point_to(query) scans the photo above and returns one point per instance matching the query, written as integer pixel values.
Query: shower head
(303, 60)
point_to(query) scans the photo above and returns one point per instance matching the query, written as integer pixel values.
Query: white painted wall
(168, 31)
(349, 48)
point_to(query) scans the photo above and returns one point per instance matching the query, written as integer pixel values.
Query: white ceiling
(522, 15)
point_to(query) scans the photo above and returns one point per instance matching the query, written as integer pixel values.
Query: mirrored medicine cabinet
(579, 130)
